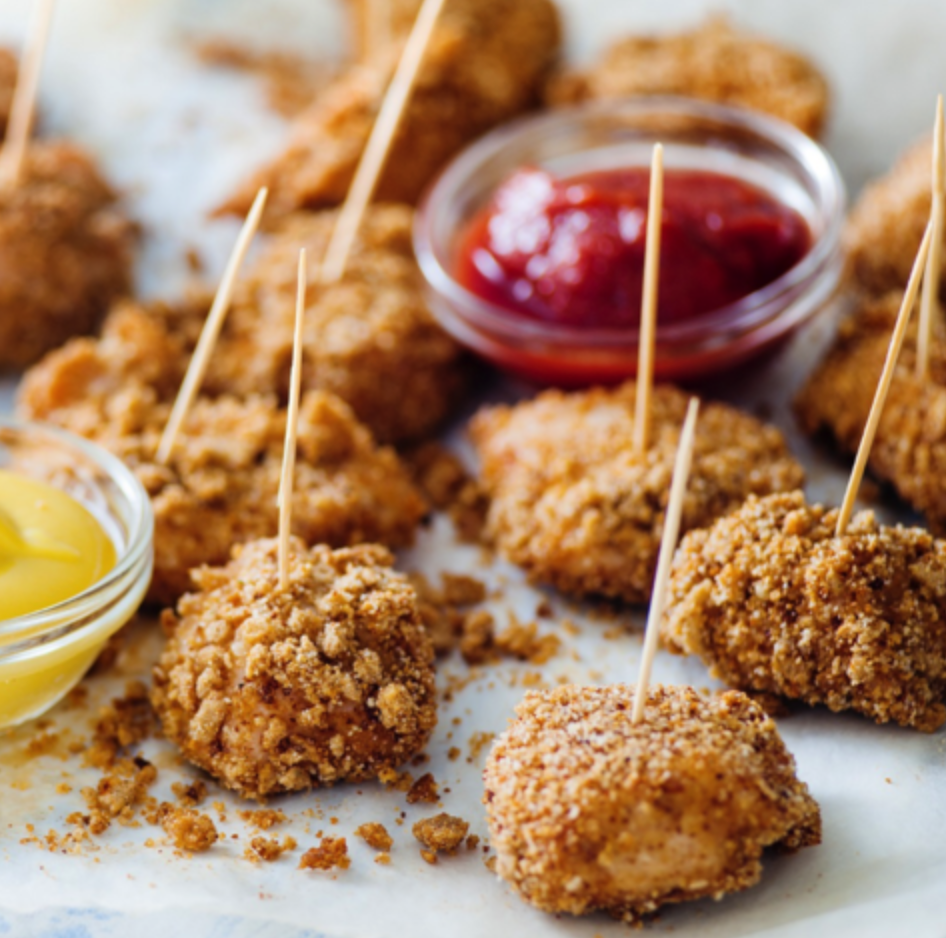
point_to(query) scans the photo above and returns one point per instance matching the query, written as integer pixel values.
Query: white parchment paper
(176, 135)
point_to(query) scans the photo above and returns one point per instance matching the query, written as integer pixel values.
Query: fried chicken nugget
(886, 225)
(575, 506)
(486, 62)
(589, 811)
(65, 252)
(370, 339)
(275, 690)
(909, 451)
(9, 67)
(714, 62)
(773, 602)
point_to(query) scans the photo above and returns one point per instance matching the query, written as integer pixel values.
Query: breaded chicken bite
(909, 451)
(65, 252)
(588, 811)
(577, 508)
(370, 339)
(886, 225)
(272, 691)
(486, 62)
(9, 68)
(714, 62)
(773, 602)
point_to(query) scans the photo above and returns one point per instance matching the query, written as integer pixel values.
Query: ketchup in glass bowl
(532, 241)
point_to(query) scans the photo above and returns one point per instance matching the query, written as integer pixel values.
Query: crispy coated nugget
(9, 67)
(589, 811)
(714, 62)
(221, 485)
(909, 451)
(772, 601)
(65, 252)
(370, 339)
(272, 691)
(886, 225)
(486, 62)
(574, 506)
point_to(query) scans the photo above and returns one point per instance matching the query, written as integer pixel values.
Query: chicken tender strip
(486, 62)
(773, 602)
(589, 811)
(714, 62)
(574, 506)
(275, 690)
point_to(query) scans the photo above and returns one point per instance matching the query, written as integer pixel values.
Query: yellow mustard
(51, 547)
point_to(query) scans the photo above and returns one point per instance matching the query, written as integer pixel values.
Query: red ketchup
(571, 251)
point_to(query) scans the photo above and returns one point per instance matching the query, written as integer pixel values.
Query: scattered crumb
(268, 849)
(398, 781)
(472, 842)
(189, 829)
(424, 790)
(192, 795)
(522, 640)
(479, 742)
(330, 854)
(375, 836)
(383, 858)
(263, 819)
(453, 753)
(443, 832)
(429, 856)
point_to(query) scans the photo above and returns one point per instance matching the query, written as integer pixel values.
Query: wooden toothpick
(648, 329)
(930, 300)
(23, 108)
(211, 331)
(880, 397)
(668, 544)
(292, 430)
(379, 144)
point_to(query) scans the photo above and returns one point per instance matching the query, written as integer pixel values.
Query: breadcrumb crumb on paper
(441, 833)
(772, 601)
(590, 811)
(330, 854)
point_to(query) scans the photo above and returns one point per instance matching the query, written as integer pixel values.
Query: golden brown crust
(485, 63)
(772, 601)
(909, 451)
(369, 339)
(8, 72)
(65, 252)
(886, 225)
(714, 62)
(576, 508)
(272, 691)
(589, 811)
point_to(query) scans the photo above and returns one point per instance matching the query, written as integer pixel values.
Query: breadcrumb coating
(9, 66)
(886, 225)
(65, 252)
(714, 62)
(909, 451)
(575, 507)
(221, 484)
(485, 63)
(369, 339)
(588, 811)
(274, 691)
(772, 601)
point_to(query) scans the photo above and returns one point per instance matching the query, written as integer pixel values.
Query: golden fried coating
(714, 62)
(486, 62)
(8, 72)
(221, 485)
(909, 451)
(772, 601)
(589, 811)
(370, 339)
(65, 252)
(273, 691)
(399, 18)
(575, 507)
(886, 225)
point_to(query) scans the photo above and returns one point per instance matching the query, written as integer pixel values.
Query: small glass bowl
(43, 655)
(605, 135)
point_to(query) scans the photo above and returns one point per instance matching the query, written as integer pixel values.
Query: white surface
(176, 135)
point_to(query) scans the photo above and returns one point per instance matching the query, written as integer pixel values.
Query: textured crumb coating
(8, 72)
(273, 691)
(370, 339)
(65, 252)
(588, 811)
(886, 225)
(772, 601)
(577, 508)
(400, 17)
(714, 62)
(486, 62)
(221, 484)
(909, 451)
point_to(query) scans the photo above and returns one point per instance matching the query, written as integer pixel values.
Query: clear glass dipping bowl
(43, 655)
(604, 135)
